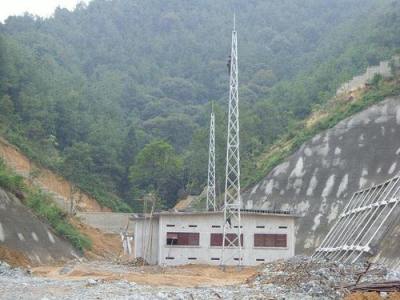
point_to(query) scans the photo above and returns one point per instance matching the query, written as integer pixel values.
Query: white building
(176, 238)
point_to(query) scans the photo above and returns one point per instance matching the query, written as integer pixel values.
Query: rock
(92, 282)
(4, 264)
(65, 270)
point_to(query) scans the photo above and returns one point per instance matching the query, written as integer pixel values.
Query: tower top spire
(234, 21)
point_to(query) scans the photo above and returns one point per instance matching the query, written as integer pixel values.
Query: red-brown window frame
(183, 239)
(270, 240)
(216, 239)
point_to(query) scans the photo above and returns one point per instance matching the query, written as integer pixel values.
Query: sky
(43, 8)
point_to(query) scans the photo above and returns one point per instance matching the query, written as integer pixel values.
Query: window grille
(270, 240)
(183, 238)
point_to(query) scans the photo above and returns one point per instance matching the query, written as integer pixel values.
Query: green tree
(158, 169)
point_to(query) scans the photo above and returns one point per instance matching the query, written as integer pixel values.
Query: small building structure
(176, 238)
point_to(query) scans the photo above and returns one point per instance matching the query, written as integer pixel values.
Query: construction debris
(386, 287)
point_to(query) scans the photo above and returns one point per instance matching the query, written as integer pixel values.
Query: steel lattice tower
(232, 201)
(211, 205)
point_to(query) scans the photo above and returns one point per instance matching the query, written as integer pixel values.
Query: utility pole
(211, 205)
(232, 202)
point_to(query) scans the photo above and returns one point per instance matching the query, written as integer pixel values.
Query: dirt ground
(182, 276)
(13, 257)
(104, 245)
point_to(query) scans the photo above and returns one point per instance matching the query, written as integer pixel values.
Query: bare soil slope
(65, 193)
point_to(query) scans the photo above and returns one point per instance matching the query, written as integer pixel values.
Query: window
(170, 257)
(183, 238)
(214, 258)
(170, 225)
(216, 239)
(216, 226)
(282, 227)
(260, 259)
(260, 226)
(192, 225)
(270, 240)
(192, 258)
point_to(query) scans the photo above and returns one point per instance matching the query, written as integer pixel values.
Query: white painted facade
(205, 223)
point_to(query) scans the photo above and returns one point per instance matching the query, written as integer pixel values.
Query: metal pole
(232, 200)
(211, 205)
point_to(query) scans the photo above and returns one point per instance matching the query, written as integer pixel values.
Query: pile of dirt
(104, 245)
(14, 258)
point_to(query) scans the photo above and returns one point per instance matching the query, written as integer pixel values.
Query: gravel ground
(297, 278)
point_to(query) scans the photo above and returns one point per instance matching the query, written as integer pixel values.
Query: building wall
(204, 253)
(146, 240)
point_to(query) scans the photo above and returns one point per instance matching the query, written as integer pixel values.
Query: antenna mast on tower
(232, 235)
(211, 205)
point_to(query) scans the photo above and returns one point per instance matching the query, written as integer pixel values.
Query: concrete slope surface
(23, 233)
(319, 179)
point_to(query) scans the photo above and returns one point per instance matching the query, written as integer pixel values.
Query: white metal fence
(362, 223)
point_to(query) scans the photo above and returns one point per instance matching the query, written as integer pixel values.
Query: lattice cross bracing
(211, 195)
(232, 200)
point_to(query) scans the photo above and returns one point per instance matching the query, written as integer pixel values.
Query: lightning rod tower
(232, 202)
(211, 205)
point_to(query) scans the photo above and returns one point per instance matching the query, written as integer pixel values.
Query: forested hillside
(115, 95)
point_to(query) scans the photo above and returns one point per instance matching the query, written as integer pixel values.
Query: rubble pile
(7, 270)
(319, 278)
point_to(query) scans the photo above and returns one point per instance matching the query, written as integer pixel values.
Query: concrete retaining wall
(22, 231)
(360, 81)
(319, 179)
(107, 221)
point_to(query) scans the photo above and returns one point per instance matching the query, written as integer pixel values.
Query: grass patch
(10, 181)
(43, 206)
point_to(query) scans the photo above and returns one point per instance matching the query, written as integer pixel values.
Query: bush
(8, 180)
(47, 210)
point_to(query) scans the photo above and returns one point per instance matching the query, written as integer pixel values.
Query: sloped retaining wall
(319, 179)
(22, 231)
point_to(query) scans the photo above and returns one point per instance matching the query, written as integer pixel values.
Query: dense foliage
(98, 93)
